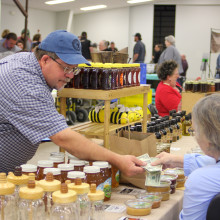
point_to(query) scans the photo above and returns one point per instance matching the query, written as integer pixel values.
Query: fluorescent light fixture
(93, 7)
(58, 2)
(138, 1)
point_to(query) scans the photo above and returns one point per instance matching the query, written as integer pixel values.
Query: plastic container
(41, 165)
(138, 207)
(76, 174)
(65, 168)
(154, 198)
(173, 179)
(57, 158)
(78, 164)
(55, 171)
(28, 168)
(64, 207)
(31, 205)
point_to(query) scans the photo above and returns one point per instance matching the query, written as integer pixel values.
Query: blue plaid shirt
(27, 110)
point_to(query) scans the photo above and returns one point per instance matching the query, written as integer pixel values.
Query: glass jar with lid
(86, 75)
(65, 168)
(57, 158)
(64, 207)
(31, 205)
(106, 176)
(76, 174)
(95, 75)
(41, 165)
(78, 164)
(83, 203)
(96, 198)
(137, 75)
(196, 86)
(28, 168)
(93, 175)
(77, 79)
(7, 198)
(115, 73)
(49, 185)
(55, 171)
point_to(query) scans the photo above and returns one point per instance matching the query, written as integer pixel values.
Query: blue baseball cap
(66, 46)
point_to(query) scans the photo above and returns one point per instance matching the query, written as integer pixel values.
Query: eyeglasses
(66, 69)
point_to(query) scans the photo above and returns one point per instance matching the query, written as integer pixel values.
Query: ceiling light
(137, 1)
(93, 7)
(58, 2)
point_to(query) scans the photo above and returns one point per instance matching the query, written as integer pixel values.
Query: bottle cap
(77, 162)
(17, 177)
(45, 163)
(6, 188)
(75, 174)
(54, 171)
(100, 164)
(66, 167)
(79, 187)
(91, 169)
(95, 195)
(28, 168)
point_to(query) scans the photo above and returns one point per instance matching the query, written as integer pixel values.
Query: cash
(153, 172)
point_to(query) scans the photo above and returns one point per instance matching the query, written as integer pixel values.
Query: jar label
(129, 78)
(135, 77)
(100, 187)
(107, 187)
(117, 176)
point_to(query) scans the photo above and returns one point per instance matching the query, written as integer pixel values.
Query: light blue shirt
(218, 62)
(202, 185)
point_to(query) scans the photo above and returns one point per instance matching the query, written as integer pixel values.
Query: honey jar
(28, 168)
(55, 171)
(65, 168)
(76, 174)
(78, 165)
(41, 165)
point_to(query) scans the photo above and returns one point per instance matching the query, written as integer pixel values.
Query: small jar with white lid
(57, 158)
(7, 198)
(64, 207)
(31, 205)
(96, 198)
(28, 168)
(76, 174)
(65, 168)
(93, 175)
(83, 203)
(49, 185)
(55, 171)
(78, 165)
(41, 165)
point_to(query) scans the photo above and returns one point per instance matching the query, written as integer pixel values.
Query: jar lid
(83, 188)
(66, 166)
(168, 177)
(6, 188)
(138, 204)
(64, 196)
(57, 159)
(77, 162)
(91, 169)
(45, 163)
(100, 164)
(57, 154)
(95, 195)
(49, 184)
(152, 196)
(17, 180)
(28, 168)
(75, 174)
(31, 191)
(54, 171)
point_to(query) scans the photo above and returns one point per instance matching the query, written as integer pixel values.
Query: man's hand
(130, 165)
(168, 160)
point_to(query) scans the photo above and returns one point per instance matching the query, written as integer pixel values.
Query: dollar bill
(153, 178)
(145, 158)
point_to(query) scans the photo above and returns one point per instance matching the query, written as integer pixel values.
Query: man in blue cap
(27, 110)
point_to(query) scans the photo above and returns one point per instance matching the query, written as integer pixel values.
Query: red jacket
(167, 98)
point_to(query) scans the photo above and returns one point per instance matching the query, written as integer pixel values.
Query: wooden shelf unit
(102, 130)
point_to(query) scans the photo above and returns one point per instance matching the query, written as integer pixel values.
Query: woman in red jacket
(168, 95)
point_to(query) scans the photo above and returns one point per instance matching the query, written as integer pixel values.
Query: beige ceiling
(77, 4)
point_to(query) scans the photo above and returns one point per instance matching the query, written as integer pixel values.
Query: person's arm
(135, 57)
(136, 52)
(83, 148)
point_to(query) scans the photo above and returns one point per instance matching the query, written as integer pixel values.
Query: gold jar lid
(31, 191)
(17, 177)
(64, 195)
(49, 184)
(95, 195)
(6, 188)
(79, 187)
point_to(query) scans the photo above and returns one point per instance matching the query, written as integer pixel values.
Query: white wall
(111, 25)
(193, 29)
(62, 19)
(13, 19)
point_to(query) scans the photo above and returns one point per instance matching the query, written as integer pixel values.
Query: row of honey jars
(106, 76)
(202, 86)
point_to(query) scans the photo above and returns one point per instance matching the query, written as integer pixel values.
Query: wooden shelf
(103, 94)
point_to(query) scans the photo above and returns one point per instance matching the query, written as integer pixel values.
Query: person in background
(185, 66)
(5, 33)
(28, 114)
(103, 45)
(203, 181)
(20, 44)
(28, 40)
(168, 95)
(217, 75)
(139, 49)
(112, 47)
(171, 53)
(94, 48)
(36, 41)
(9, 44)
(86, 46)
(157, 52)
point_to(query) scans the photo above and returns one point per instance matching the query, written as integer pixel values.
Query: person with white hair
(203, 182)
(171, 53)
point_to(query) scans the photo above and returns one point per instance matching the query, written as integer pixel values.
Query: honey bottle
(186, 125)
(96, 198)
(31, 205)
(173, 125)
(49, 185)
(7, 198)
(83, 203)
